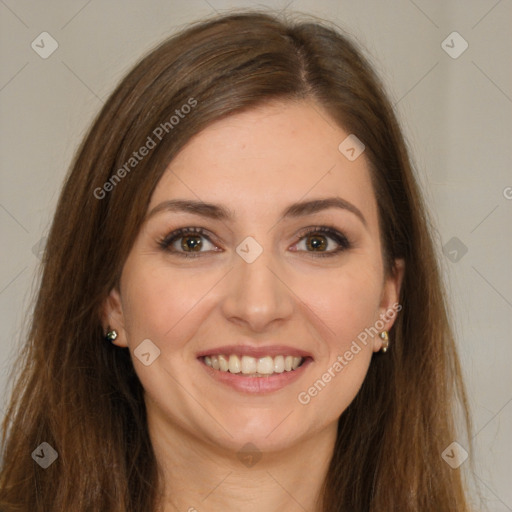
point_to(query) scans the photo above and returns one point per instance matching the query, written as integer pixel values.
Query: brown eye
(187, 242)
(316, 242)
(191, 243)
(322, 241)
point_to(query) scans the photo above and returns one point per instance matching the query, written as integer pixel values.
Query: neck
(199, 476)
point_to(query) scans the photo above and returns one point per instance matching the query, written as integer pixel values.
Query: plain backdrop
(455, 109)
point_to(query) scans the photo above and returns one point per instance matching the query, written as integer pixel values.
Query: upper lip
(259, 351)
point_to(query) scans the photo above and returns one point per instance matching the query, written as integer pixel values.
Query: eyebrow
(218, 212)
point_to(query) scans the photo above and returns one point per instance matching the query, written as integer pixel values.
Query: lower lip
(256, 385)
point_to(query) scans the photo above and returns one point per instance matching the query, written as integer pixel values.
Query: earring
(385, 338)
(111, 335)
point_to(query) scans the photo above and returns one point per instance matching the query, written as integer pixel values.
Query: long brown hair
(81, 395)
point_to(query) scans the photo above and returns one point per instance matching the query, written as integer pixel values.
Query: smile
(253, 366)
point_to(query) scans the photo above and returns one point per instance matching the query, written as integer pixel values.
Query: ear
(112, 317)
(389, 305)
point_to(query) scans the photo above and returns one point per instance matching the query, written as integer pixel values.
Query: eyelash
(334, 234)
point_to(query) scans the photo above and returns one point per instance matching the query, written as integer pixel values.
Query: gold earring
(385, 338)
(111, 335)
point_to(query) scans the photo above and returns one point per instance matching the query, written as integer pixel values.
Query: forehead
(272, 155)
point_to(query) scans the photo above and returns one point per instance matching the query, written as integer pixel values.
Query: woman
(240, 306)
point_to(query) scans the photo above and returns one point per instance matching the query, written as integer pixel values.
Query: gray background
(456, 113)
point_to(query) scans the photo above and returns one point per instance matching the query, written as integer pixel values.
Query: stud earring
(385, 338)
(111, 335)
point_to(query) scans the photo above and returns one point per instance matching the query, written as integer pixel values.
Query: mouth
(249, 366)
(255, 370)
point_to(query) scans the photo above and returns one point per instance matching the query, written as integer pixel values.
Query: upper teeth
(251, 365)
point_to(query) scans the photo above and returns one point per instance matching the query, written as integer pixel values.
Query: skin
(256, 164)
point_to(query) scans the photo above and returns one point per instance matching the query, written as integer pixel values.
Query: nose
(257, 294)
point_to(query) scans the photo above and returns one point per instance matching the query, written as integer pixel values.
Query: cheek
(158, 304)
(347, 302)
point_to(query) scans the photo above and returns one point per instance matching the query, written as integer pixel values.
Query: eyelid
(335, 234)
(328, 231)
(176, 234)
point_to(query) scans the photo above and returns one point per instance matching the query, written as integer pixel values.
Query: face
(261, 244)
